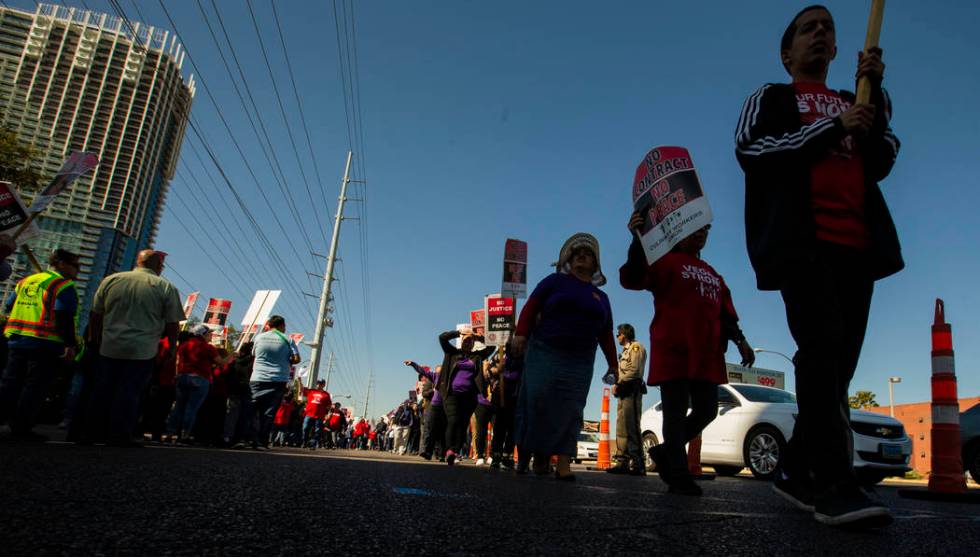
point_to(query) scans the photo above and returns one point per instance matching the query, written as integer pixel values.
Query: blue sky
(489, 120)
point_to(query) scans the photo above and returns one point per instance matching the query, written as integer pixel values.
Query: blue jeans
(191, 392)
(25, 382)
(311, 430)
(266, 397)
(115, 404)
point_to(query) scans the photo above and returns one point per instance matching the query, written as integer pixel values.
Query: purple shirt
(513, 369)
(465, 379)
(573, 312)
(431, 376)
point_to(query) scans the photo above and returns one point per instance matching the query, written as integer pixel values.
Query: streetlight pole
(764, 351)
(891, 394)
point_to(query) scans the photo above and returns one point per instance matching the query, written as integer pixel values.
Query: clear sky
(489, 120)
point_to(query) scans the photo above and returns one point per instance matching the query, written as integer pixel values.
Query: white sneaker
(480, 462)
(490, 460)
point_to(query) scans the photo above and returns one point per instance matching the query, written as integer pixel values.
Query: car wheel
(763, 450)
(727, 470)
(649, 441)
(971, 461)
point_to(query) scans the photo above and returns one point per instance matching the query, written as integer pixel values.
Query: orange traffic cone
(602, 462)
(947, 462)
(694, 457)
(947, 480)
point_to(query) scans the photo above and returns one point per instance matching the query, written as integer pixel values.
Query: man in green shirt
(131, 312)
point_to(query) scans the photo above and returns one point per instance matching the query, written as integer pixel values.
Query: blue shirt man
(274, 354)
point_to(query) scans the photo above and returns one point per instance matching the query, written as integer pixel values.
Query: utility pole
(321, 316)
(329, 369)
(367, 395)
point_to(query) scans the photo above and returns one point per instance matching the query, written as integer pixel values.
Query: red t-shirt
(317, 403)
(167, 363)
(334, 422)
(689, 298)
(836, 181)
(195, 356)
(284, 412)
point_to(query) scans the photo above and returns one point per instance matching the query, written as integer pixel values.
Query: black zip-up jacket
(454, 355)
(777, 151)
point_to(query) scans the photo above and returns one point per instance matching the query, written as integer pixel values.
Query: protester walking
(629, 390)
(403, 419)
(566, 318)
(42, 320)
(275, 353)
(317, 404)
(131, 312)
(693, 320)
(196, 360)
(818, 231)
(506, 379)
(434, 418)
(459, 383)
(239, 395)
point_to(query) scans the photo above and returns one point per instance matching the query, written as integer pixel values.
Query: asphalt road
(61, 499)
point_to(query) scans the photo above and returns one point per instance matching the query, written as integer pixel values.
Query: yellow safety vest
(33, 311)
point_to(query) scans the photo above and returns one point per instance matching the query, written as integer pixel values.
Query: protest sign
(77, 164)
(500, 320)
(217, 312)
(515, 269)
(189, 304)
(478, 320)
(297, 338)
(668, 193)
(258, 313)
(13, 215)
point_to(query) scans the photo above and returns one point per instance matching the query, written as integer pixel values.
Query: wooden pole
(30, 255)
(871, 41)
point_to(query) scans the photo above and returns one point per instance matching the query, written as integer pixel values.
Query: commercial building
(72, 79)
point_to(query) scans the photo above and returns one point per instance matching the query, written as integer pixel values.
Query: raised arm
(444, 339)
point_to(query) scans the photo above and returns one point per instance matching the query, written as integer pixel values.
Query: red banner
(189, 304)
(478, 321)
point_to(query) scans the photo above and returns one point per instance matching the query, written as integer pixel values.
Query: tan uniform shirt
(632, 362)
(135, 306)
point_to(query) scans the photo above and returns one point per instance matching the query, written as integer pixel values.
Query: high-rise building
(72, 79)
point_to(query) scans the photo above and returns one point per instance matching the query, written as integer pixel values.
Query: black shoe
(659, 460)
(427, 456)
(507, 463)
(850, 507)
(799, 492)
(637, 471)
(451, 458)
(27, 437)
(619, 468)
(684, 485)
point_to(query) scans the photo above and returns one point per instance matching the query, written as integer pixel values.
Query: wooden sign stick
(871, 41)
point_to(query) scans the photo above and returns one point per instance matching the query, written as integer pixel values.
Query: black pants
(827, 305)
(266, 397)
(459, 409)
(25, 383)
(502, 446)
(159, 401)
(484, 414)
(434, 430)
(677, 396)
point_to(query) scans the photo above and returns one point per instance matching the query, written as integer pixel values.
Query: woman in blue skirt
(565, 319)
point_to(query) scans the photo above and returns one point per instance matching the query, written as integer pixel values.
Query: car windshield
(765, 394)
(588, 437)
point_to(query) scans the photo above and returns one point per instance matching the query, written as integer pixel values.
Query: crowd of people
(818, 232)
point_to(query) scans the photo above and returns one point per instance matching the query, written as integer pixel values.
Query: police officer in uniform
(41, 326)
(629, 390)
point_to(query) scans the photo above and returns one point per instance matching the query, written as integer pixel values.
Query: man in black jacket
(818, 230)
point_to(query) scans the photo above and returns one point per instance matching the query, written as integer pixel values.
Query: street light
(763, 350)
(891, 394)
